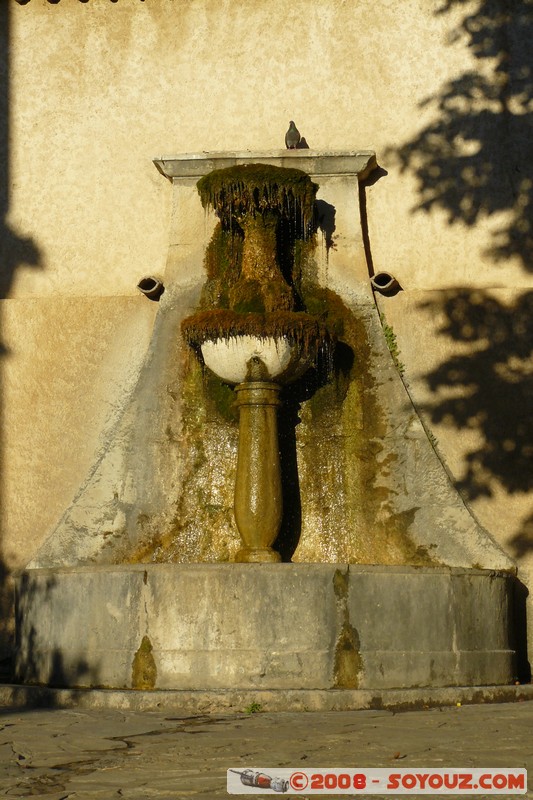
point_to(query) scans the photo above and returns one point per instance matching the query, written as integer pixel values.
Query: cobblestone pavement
(58, 754)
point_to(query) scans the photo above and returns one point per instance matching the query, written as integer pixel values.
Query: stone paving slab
(88, 754)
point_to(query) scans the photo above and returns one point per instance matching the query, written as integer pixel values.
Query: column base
(257, 555)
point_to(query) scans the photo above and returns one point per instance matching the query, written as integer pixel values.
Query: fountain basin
(286, 343)
(229, 358)
(264, 626)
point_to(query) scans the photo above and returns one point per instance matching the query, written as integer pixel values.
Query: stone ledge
(286, 567)
(238, 700)
(314, 162)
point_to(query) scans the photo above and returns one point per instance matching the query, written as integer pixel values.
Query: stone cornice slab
(314, 162)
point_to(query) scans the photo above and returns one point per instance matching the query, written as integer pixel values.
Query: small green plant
(253, 708)
(392, 344)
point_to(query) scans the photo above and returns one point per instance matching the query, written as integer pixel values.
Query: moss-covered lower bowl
(286, 343)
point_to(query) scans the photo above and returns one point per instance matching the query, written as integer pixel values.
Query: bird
(292, 137)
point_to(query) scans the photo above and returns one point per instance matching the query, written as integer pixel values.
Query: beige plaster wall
(71, 366)
(96, 90)
(99, 88)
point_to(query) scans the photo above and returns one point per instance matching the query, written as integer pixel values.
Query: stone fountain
(351, 564)
(262, 349)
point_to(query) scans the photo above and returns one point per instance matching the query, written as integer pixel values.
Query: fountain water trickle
(259, 349)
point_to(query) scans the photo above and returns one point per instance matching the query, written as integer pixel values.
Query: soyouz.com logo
(253, 780)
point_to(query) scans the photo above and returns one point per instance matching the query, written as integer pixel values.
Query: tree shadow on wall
(488, 389)
(38, 665)
(476, 159)
(15, 251)
(475, 162)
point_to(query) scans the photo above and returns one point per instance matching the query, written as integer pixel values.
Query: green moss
(328, 305)
(260, 248)
(223, 260)
(246, 296)
(344, 430)
(253, 189)
(392, 344)
(350, 355)
(223, 253)
(301, 329)
(253, 708)
(220, 397)
(192, 396)
(260, 296)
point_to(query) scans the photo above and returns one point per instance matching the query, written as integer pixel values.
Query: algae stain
(200, 525)
(220, 399)
(143, 668)
(397, 528)
(344, 425)
(348, 663)
(340, 584)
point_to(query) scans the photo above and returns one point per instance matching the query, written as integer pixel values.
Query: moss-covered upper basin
(251, 189)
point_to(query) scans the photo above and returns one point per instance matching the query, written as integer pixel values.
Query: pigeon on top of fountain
(292, 137)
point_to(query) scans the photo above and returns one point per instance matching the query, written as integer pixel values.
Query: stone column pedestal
(258, 497)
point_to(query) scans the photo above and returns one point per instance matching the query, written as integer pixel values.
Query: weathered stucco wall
(95, 90)
(99, 88)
